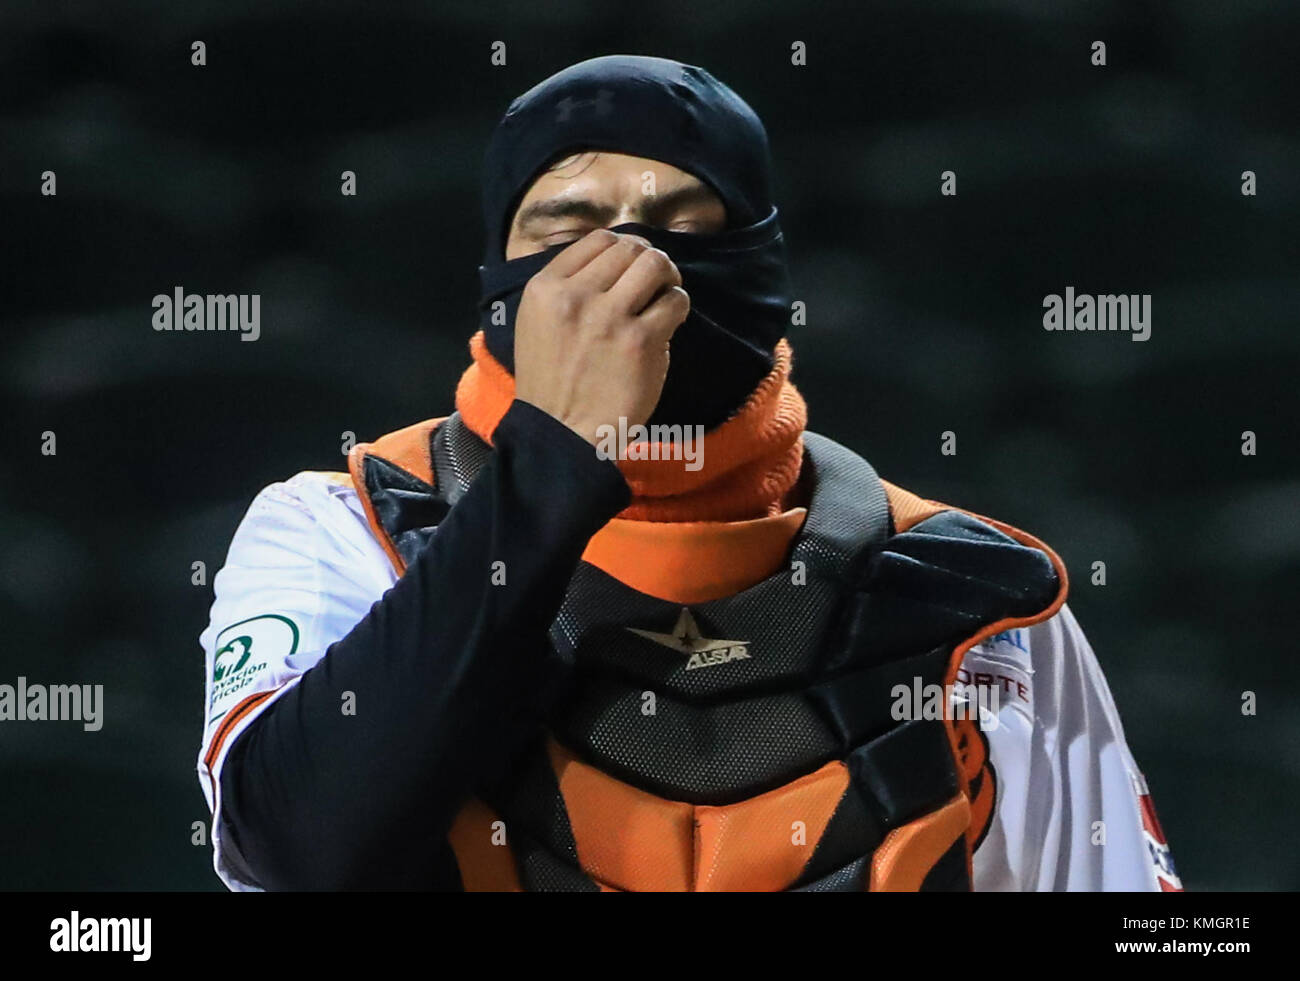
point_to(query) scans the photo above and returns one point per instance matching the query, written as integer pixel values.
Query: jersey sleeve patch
(246, 651)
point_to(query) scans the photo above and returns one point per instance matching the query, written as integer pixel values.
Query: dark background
(924, 316)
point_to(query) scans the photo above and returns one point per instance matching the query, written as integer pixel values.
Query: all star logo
(705, 652)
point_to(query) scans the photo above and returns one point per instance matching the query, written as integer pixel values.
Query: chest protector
(752, 742)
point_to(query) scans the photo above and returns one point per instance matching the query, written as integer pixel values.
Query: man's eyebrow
(661, 206)
(584, 208)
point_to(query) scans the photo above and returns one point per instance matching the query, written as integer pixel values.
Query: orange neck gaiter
(750, 463)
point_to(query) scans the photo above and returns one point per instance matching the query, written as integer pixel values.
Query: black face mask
(740, 306)
(736, 279)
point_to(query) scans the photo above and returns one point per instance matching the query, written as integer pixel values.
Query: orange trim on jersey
(232, 719)
(906, 856)
(694, 562)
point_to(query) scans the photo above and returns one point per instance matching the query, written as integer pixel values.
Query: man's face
(600, 190)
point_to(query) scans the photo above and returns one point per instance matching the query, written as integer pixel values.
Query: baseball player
(619, 622)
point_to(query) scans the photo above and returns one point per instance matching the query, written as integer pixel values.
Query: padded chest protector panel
(748, 742)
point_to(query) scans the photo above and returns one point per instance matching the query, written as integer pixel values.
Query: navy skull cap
(645, 107)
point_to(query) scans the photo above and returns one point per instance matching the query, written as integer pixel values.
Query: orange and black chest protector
(752, 742)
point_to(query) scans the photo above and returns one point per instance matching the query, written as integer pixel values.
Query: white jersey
(1070, 811)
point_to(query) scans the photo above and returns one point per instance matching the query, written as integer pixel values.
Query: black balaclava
(737, 279)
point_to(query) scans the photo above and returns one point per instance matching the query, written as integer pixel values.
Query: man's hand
(592, 332)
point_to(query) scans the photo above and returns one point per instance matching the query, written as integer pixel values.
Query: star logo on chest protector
(705, 652)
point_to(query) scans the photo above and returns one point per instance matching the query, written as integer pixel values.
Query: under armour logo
(603, 103)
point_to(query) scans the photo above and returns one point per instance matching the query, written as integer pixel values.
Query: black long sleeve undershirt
(447, 671)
